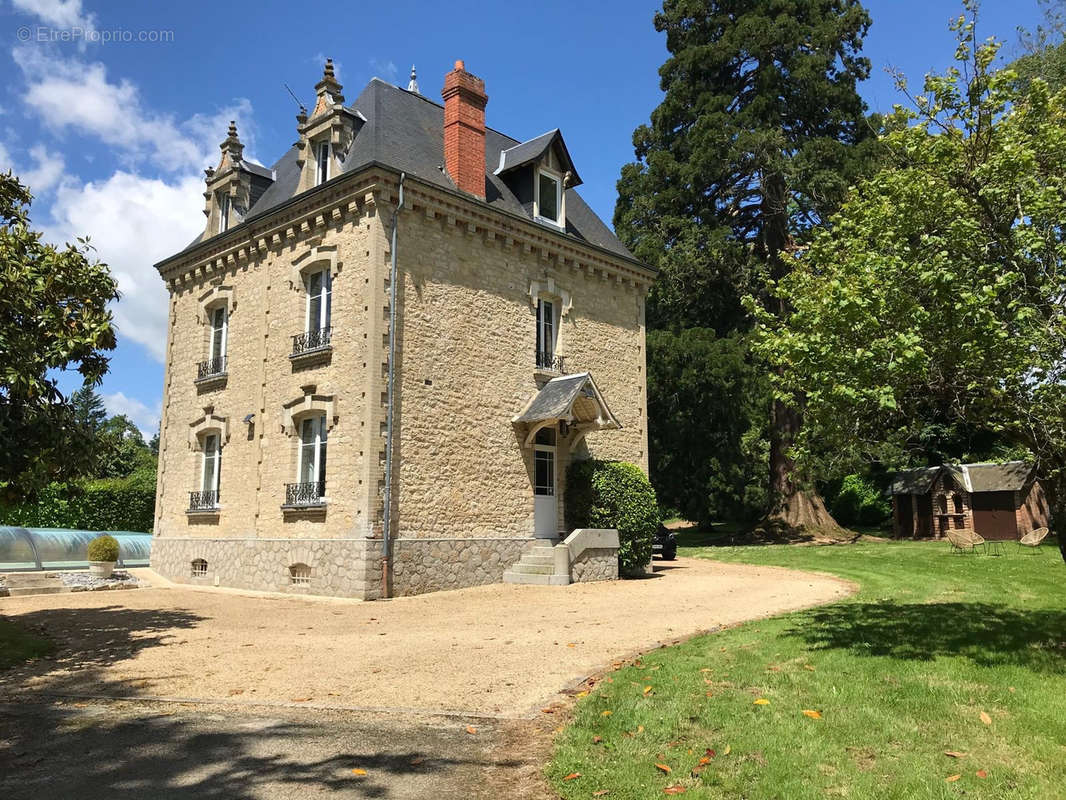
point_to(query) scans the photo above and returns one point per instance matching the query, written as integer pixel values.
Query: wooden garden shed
(998, 501)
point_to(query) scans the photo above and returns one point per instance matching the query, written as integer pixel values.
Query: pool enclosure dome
(63, 548)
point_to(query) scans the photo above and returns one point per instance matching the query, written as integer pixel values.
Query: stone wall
(430, 565)
(338, 567)
(595, 564)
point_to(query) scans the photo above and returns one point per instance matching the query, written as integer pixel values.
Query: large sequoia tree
(754, 145)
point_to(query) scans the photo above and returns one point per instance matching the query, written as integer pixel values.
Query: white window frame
(325, 308)
(223, 211)
(218, 351)
(318, 447)
(323, 157)
(561, 221)
(542, 324)
(212, 451)
(547, 453)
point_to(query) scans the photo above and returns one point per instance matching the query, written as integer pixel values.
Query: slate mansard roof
(405, 131)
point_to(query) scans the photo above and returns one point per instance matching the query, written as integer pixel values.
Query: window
(219, 326)
(322, 163)
(546, 334)
(313, 452)
(549, 197)
(198, 568)
(318, 301)
(223, 211)
(300, 574)
(544, 462)
(212, 463)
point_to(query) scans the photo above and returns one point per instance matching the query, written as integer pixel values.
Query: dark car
(664, 544)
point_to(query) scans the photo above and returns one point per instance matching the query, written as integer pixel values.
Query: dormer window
(223, 212)
(549, 197)
(322, 154)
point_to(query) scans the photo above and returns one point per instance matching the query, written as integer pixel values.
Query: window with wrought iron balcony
(317, 331)
(205, 501)
(214, 366)
(310, 491)
(548, 358)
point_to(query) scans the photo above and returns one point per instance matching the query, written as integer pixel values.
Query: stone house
(296, 454)
(997, 501)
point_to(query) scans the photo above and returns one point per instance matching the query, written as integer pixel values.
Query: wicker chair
(965, 541)
(1033, 539)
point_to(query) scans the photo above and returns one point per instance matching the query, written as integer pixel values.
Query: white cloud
(60, 13)
(386, 70)
(145, 417)
(68, 94)
(47, 172)
(133, 222)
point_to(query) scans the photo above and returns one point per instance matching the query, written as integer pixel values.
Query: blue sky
(112, 133)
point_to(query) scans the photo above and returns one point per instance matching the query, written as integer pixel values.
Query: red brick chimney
(464, 129)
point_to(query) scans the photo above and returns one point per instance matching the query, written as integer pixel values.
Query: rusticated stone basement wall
(339, 567)
(430, 565)
(595, 564)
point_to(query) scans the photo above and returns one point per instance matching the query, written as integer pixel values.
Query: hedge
(859, 503)
(614, 494)
(109, 504)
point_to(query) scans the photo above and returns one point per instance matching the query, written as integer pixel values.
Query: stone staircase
(18, 584)
(537, 566)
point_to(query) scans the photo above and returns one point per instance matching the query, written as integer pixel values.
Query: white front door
(545, 508)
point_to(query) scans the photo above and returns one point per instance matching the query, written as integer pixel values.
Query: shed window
(957, 500)
(198, 568)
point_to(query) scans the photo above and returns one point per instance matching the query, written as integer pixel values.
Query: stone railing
(588, 554)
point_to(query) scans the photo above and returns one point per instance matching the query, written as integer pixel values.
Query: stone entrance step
(536, 566)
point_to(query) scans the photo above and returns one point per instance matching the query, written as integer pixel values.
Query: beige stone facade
(469, 280)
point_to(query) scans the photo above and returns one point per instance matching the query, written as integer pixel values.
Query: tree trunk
(792, 509)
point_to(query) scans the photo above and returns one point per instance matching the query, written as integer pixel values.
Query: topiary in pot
(615, 494)
(103, 553)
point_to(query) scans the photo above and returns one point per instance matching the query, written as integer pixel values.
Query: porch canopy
(573, 399)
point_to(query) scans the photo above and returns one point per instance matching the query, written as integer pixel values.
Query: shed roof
(1008, 477)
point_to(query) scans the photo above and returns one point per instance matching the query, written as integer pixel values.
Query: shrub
(109, 504)
(859, 503)
(103, 548)
(614, 494)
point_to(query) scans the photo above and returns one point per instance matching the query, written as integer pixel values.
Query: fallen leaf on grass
(606, 713)
(573, 776)
(952, 778)
(647, 690)
(359, 772)
(663, 767)
(727, 750)
(601, 793)
(640, 729)
(987, 720)
(704, 761)
(582, 694)
(954, 754)
(597, 739)
(471, 729)
(762, 701)
(807, 712)
(678, 789)
(981, 773)
(808, 667)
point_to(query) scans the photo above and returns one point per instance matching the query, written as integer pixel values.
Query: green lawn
(901, 673)
(17, 644)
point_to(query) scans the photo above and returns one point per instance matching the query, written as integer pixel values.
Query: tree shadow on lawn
(987, 634)
(99, 749)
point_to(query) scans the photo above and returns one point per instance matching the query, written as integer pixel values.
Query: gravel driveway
(498, 650)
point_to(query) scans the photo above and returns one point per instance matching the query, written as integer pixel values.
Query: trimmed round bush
(103, 548)
(614, 494)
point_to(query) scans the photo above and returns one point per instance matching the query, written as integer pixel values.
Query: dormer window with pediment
(322, 159)
(539, 172)
(223, 211)
(233, 186)
(326, 134)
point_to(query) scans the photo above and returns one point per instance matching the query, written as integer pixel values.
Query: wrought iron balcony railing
(550, 361)
(211, 368)
(203, 501)
(311, 341)
(305, 494)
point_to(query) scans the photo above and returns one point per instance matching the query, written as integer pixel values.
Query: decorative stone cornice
(308, 403)
(208, 423)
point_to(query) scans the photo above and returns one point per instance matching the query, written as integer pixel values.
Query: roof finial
(412, 86)
(328, 72)
(232, 129)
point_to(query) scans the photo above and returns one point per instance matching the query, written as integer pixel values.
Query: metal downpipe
(386, 556)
